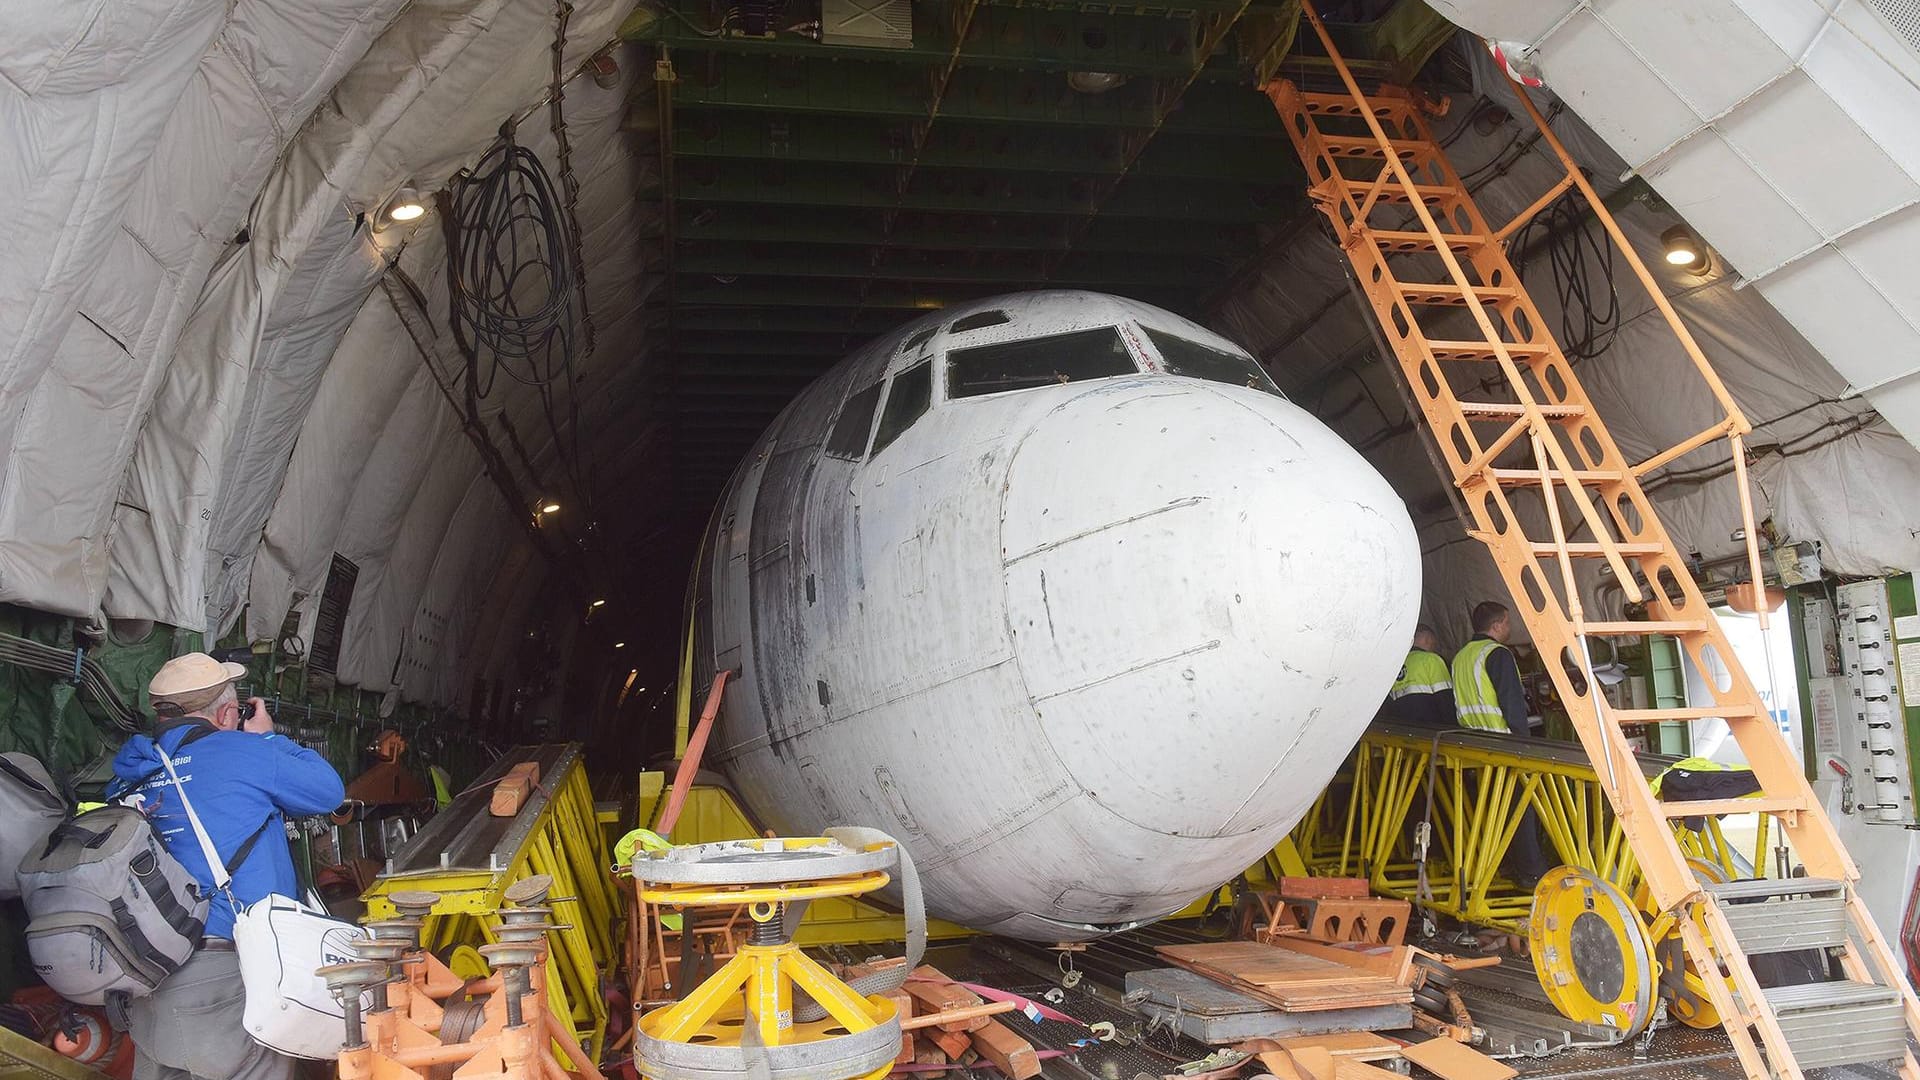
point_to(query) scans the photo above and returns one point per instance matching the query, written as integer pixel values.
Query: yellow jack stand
(746, 1008)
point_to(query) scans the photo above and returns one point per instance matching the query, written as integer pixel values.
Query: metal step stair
(1774, 915)
(1536, 467)
(1840, 1023)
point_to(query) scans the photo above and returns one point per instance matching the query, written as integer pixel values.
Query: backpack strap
(25, 777)
(246, 846)
(154, 883)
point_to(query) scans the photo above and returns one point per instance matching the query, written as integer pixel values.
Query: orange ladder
(1436, 258)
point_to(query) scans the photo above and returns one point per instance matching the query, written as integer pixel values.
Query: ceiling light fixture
(1683, 249)
(598, 603)
(550, 508)
(619, 644)
(405, 206)
(1094, 82)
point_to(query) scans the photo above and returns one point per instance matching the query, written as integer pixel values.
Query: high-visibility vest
(1423, 673)
(1475, 701)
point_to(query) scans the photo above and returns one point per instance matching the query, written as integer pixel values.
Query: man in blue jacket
(244, 781)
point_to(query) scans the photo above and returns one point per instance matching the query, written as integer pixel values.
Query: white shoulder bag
(280, 942)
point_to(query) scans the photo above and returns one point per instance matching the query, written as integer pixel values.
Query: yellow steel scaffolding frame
(469, 857)
(1482, 785)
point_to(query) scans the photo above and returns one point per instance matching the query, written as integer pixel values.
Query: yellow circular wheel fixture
(1681, 985)
(747, 1017)
(1590, 951)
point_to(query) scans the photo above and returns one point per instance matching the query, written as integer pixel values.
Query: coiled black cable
(517, 302)
(513, 285)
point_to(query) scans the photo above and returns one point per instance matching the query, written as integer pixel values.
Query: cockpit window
(1022, 365)
(979, 320)
(1199, 361)
(849, 438)
(908, 400)
(918, 340)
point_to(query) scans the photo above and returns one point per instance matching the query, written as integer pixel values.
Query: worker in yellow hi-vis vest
(1486, 681)
(1488, 695)
(1423, 694)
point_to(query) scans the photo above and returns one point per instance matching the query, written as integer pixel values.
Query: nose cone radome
(1210, 594)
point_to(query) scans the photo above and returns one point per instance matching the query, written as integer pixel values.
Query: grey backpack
(109, 911)
(30, 806)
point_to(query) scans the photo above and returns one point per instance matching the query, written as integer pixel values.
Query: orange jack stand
(407, 1031)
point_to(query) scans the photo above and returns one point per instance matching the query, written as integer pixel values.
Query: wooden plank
(1450, 1061)
(1281, 1065)
(903, 1008)
(1315, 888)
(1355, 1045)
(1387, 962)
(1011, 1054)
(1291, 981)
(1262, 965)
(1313, 1062)
(954, 1043)
(512, 791)
(927, 1054)
(1368, 994)
(933, 992)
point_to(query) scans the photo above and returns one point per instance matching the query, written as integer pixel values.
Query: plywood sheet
(1291, 981)
(1352, 1045)
(1451, 1061)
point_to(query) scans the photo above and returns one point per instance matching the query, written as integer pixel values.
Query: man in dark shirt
(1488, 695)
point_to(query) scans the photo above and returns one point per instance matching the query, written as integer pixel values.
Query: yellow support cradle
(470, 857)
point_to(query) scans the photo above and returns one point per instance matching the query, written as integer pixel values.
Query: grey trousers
(191, 1027)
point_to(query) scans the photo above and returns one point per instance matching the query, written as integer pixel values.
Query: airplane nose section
(1210, 594)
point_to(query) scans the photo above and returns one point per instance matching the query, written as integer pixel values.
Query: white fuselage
(1088, 640)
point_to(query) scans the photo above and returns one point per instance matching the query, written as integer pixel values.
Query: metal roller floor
(1673, 1053)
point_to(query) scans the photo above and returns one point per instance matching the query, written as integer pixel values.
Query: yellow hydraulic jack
(745, 1015)
(507, 1029)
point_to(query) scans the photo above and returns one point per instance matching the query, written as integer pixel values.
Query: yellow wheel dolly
(1591, 952)
(771, 1011)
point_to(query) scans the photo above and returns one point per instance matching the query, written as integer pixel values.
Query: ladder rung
(1416, 240)
(1589, 550)
(1716, 807)
(1581, 476)
(1366, 146)
(1343, 105)
(1655, 716)
(1648, 626)
(1435, 294)
(1392, 192)
(1513, 411)
(1481, 350)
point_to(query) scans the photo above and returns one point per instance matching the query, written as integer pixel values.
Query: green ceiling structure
(814, 194)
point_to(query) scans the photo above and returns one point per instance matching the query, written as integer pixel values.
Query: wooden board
(1204, 1009)
(933, 992)
(1281, 1065)
(1390, 962)
(1451, 1061)
(1291, 981)
(1314, 887)
(512, 791)
(1313, 1063)
(1011, 1054)
(1352, 1045)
